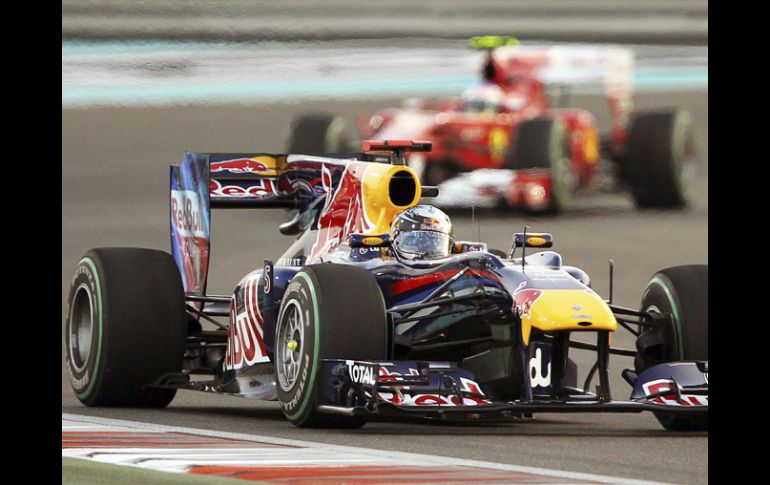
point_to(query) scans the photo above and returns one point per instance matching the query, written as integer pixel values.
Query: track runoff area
(266, 459)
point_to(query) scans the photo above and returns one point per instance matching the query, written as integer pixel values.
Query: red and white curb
(277, 460)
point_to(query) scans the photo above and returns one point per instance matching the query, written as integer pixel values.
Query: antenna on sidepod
(524, 247)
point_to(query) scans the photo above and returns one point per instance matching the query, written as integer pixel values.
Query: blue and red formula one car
(374, 312)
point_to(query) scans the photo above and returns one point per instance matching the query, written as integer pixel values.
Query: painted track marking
(278, 460)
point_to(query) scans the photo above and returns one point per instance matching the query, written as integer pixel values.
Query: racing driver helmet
(483, 98)
(422, 232)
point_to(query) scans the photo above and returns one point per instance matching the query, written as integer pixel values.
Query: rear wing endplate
(205, 181)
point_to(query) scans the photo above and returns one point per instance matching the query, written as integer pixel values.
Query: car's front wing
(442, 390)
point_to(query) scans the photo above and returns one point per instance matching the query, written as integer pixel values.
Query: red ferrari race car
(504, 143)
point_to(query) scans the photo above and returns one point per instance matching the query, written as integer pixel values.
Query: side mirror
(291, 227)
(369, 240)
(534, 240)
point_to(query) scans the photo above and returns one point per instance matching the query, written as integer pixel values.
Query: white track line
(355, 453)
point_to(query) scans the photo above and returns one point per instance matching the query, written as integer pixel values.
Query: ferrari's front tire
(125, 327)
(328, 311)
(682, 292)
(660, 162)
(541, 144)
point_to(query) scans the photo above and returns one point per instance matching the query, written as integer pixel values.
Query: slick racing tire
(681, 291)
(328, 311)
(541, 144)
(319, 134)
(660, 162)
(433, 173)
(125, 327)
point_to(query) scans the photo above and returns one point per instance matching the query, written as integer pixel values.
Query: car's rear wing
(584, 68)
(610, 67)
(205, 181)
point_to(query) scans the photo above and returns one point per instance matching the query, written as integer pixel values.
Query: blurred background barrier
(651, 21)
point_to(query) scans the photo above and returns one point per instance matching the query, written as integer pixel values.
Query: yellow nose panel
(558, 310)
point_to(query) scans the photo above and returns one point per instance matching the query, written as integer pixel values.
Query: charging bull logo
(344, 211)
(238, 165)
(524, 299)
(431, 224)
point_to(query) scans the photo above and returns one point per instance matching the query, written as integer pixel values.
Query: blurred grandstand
(651, 21)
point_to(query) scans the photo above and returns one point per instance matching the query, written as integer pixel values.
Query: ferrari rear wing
(609, 69)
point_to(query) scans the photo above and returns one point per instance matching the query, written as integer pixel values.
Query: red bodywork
(465, 141)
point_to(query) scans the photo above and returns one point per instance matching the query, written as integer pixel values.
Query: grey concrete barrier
(652, 21)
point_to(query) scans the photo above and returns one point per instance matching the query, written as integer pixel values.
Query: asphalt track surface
(114, 193)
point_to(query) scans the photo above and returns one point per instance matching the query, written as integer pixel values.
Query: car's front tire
(681, 291)
(660, 163)
(541, 144)
(328, 311)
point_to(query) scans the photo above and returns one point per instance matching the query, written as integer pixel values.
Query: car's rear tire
(681, 291)
(328, 311)
(319, 134)
(125, 327)
(541, 143)
(437, 172)
(660, 161)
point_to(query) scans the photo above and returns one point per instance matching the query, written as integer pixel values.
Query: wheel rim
(81, 328)
(291, 337)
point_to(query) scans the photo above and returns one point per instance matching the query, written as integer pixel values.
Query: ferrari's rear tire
(319, 134)
(681, 291)
(660, 162)
(541, 144)
(125, 327)
(438, 172)
(328, 311)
